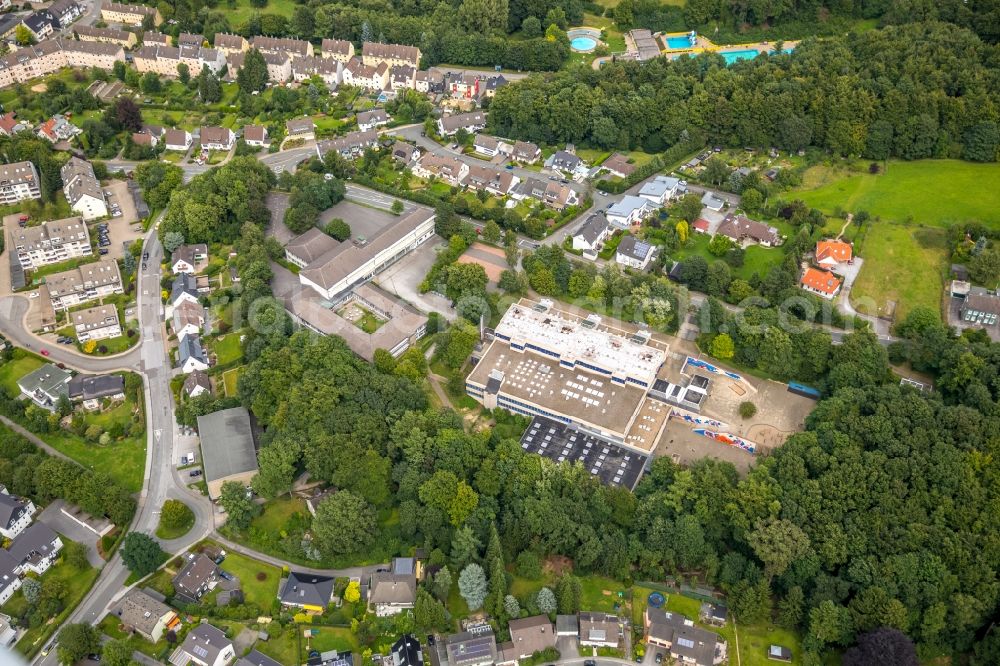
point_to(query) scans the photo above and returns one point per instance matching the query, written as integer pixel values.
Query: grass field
(931, 192)
(261, 592)
(757, 259)
(283, 647)
(229, 379)
(243, 10)
(227, 348)
(277, 512)
(77, 582)
(16, 368)
(902, 264)
(330, 638)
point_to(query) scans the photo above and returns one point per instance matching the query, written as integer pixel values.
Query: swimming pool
(583, 44)
(682, 42)
(736, 56)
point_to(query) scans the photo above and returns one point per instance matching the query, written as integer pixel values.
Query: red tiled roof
(822, 281)
(833, 249)
(701, 224)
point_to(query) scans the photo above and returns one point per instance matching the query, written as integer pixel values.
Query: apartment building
(350, 145)
(328, 69)
(18, 181)
(113, 12)
(163, 60)
(340, 50)
(52, 55)
(279, 65)
(65, 11)
(374, 54)
(123, 38)
(293, 47)
(83, 284)
(83, 190)
(230, 44)
(217, 138)
(360, 75)
(51, 242)
(448, 169)
(96, 323)
(152, 37)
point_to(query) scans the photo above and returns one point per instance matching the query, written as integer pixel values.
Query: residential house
(492, 84)
(293, 47)
(188, 318)
(831, 253)
(164, 60)
(374, 54)
(256, 135)
(686, 642)
(629, 211)
(429, 82)
(390, 593)
(51, 242)
(36, 549)
(91, 390)
(567, 163)
(402, 77)
(406, 652)
(86, 283)
(592, 233)
(184, 288)
(40, 24)
(448, 169)
(309, 246)
(230, 44)
(741, 229)
(301, 128)
(527, 152)
(309, 592)
(715, 614)
(491, 146)
(82, 189)
(470, 122)
(217, 138)
(8, 634)
(65, 12)
(186, 258)
(634, 253)
(337, 49)
(113, 12)
(145, 139)
(350, 146)
(527, 636)
(15, 513)
(256, 658)
(45, 385)
(371, 78)
(57, 128)
(820, 282)
(204, 646)
(618, 165)
(980, 307)
(198, 575)
(9, 125)
(405, 153)
(228, 451)
(123, 38)
(495, 181)
(369, 120)
(196, 383)
(18, 181)
(191, 354)
(146, 616)
(712, 201)
(599, 629)
(96, 323)
(474, 647)
(661, 189)
(178, 139)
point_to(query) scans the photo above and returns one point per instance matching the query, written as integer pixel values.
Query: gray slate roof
(593, 228)
(95, 387)
(190, 347)
(305, 589)
(11, 509)
(227, 445)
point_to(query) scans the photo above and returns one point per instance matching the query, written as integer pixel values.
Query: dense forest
(915, 91)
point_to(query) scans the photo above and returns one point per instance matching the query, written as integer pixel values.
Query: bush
(747, 409)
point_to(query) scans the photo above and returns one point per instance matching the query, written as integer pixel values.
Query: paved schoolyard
(404, 277)
(60, 522)
(492, 259)
(364, 222)
(277, 203)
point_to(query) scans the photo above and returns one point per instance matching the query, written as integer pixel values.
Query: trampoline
(656, 600)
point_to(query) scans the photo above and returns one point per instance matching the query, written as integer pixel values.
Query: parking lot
(122, 228)
(53, 516)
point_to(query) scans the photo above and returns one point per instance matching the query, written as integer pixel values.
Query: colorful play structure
(727, 438)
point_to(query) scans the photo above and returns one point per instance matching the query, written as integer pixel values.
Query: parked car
(659, 657)
(102, 250)
(195, 473)
(145, 255)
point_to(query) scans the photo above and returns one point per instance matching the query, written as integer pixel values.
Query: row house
(123, 38)
(350, 145)
(97, 323)
(18, 181)
(293, 47)
(34, 551)
(51, 242)
(470, 122)
(426, 81)
(340, 50)
(374, 54)
(448, 169)
(52, 55)
(83, 284)
(279, 65)
(306, 67)
(356, 73)
(402, 77)
(496, 182)
(154, 37)
(230, 44)
(163, 60)
(113, 12)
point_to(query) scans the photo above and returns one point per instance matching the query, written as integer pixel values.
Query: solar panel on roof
(200, 651)
(685, 642)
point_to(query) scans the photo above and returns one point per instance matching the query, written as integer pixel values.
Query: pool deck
(703, 44)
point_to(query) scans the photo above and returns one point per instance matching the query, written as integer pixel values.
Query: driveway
(120, 231)
(53, 516)
(277, 203)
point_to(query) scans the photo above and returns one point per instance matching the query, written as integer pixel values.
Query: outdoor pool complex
(583, 40)
(682, 42)
(735, 56)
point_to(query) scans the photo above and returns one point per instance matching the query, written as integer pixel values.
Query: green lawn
(77, 582)
(244, 10)
(21, 364)
(229, 379)
(227, 348)
(934, 192)
(277, 513)
(756, 259)
(330, 638)
(260, 592)
(168, 532)
(283, 647)
(901, 264)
